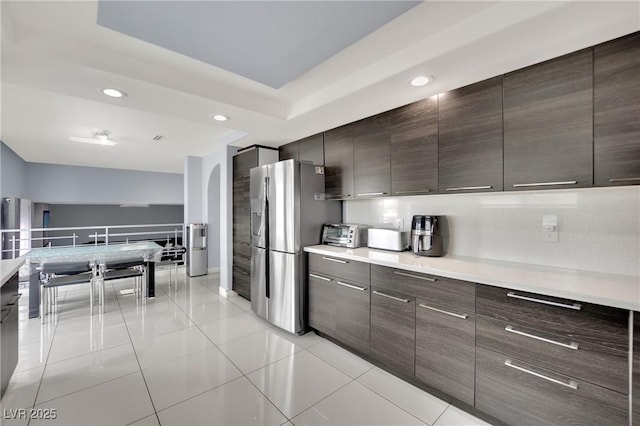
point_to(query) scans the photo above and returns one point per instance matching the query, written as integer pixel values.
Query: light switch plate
(550, 228)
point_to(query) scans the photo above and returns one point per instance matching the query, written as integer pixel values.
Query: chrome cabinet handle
(320, 277)
(573, 385)
(367, 194)
(572, 345)
(329, 197)
(461, 316)
(412, 192)
(468, 188)
(15, 299)
(574, 306)
(399, 299)
(243, 272)
(415, 276)
(335, 260)
(355, 287)
(631, 179)
(567, 182)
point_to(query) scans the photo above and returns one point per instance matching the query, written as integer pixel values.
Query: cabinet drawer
(322, 303)
(519, 393)
(589, 323)
(243, 262)
(593, 363)
(342, 268)
(443, 291)
(445, 350)
(242, 282)
(393, 330)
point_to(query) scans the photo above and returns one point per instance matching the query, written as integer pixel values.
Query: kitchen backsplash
(599, 228)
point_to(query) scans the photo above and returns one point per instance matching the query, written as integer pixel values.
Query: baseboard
(214, 270)
(226, 293)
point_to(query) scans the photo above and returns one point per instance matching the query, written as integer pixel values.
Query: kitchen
(596, 227)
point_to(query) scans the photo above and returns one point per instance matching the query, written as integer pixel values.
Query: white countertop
(621, 291)
(8, 268)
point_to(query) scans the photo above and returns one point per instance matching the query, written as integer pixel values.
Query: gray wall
(67, 215)
(51, 183)
(13, 172)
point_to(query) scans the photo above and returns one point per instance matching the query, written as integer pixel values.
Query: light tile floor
(192, 357)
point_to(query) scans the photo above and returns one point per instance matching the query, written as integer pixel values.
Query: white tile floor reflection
(192, 357)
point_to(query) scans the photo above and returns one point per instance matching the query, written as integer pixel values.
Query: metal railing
(12, 236)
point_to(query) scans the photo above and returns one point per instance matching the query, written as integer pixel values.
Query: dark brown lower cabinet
(445, 349)
(8, 331)
(352, 315)
(322, 303)
(635, 391)
(242, 282)
(393, 330)
(520, 393)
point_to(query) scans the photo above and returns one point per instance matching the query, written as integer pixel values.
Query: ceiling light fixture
(114, 93)
(220, 117)
(99, 138)
(421, 80)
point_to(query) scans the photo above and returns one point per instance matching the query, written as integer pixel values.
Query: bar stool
(120, 269)
(58, 274)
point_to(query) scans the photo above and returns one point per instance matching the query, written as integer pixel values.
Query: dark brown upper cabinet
(616, 107)
(548, 124)
(288, 151)
(470, 138)
(338, 162)
(414, 148)
(312, 149)
(372, 157)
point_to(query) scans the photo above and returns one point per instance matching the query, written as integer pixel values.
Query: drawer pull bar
(369, 194)
(415, 276)
(320, 277)
(15, 299)
(573, 385)
(335, 260)
(631, 179)
(333, 197)
(572, 345)
(399, 299)
(416, 191)
(468, 188)
(351, 286)
(575, 306)
(462, 316)
(523, 185)
(242, 272)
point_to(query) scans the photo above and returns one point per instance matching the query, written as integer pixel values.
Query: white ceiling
(55, 60)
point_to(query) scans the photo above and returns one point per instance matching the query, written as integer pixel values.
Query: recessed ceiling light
(220, 117)
(114, 93)
(421, 81)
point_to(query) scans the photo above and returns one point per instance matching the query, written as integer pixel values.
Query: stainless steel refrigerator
(287, 213)
(196, 249)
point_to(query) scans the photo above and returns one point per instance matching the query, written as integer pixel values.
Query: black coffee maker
(430, 235)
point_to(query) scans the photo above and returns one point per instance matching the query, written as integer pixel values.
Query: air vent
(158, 138)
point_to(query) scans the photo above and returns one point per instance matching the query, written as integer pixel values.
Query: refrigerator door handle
(265, 219)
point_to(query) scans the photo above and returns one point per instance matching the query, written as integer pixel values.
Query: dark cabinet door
(243, 162)
(470, 138)
(312, 149)
(616, 106)
(393, 330)
(241, 274)
(322, 303)
(445, 349)
(338, 162)
(288, 151)
(635, 392)
(548, 124)
(353, 315)
(372, 157)
(241, 213)
(414, 148)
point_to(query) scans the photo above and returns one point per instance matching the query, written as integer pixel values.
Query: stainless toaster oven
(349, 235)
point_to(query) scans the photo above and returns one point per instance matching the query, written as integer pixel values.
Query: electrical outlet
(399, 224)
(550, 228)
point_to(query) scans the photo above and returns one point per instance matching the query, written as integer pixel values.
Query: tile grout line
(135, 353)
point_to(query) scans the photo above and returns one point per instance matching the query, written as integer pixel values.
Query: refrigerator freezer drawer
(287, 291)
